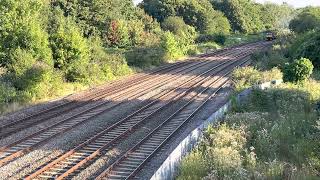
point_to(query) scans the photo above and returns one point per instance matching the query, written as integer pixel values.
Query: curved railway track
(27, 144)
(127, 166)
(69, 162)
(70, 104)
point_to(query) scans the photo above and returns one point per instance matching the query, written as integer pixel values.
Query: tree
(244, 15)
(118, 34)
(197, 13)
(308, 46)
(307, 20)
(276, 16)
(94, 16)
(22, 26)
(70, 49)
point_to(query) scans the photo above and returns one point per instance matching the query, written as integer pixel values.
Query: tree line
(47, 43)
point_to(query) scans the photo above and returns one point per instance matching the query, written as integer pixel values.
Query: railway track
(67, 164)
(127, 166)
(69, 105)
(27, 144)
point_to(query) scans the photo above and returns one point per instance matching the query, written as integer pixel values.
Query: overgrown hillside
(275, 133)
(50, 48)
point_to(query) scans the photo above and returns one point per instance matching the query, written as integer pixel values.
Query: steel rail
(8, 129)
(159, 136)
(13, 152)
(46, 114)
(63, 157)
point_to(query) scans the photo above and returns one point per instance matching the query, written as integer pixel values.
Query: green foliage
(22, 26)
(171, 46)
(298, 71)
(307, 46)
(70, 49)
(274, 138)
(246, 77)
(244, 16)
(185, 34)
(7, 93)
(174, 24)
(276, 16)
(94, 16)
(274, 57)
(145, 56)
(118, 34)
(307, 20)
(193, 163)
(198, 14)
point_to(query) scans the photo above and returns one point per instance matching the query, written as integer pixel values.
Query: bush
(105, 66)
(307, 20)
(174, 24)
(245, 77)
(298, 71)
(145, 56)
(171, 46)
(220, 38)
(307, 46)
(22, 27)
(7, 93)
(184, 34)
(193, 167)
(118, 34)
(70, 49)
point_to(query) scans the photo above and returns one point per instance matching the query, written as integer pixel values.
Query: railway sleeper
(126, 166)
(90, 149)
(144, 149)
(94, 146)
(114, 176)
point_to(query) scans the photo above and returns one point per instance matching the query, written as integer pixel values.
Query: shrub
(105, 66)
(22, 26)
(118, 34)
(7, 93)
(307, 20)
(174, 24)
(136, 32)
(308, 46)
(193, 167)
(218, 38)
(298, 71)
(184, 34)
(171, 46)
(70, 49)
(145, 56)
(245, 77)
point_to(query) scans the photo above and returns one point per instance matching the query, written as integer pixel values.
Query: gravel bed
(69, 139)
(126, 143)
(28, 131)
(28, 163)
(212, 105)
(102, 163)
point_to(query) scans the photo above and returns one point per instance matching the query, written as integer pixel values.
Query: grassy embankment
(274, 135)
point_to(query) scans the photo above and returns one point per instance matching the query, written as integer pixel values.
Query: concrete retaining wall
(169, 167)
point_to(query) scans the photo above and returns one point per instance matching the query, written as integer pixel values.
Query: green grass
(274, 136)
(235, 39)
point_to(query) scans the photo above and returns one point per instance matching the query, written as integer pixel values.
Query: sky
(295, 3)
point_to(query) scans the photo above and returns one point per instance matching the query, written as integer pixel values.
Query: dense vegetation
(275, 133)
(49, 48)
